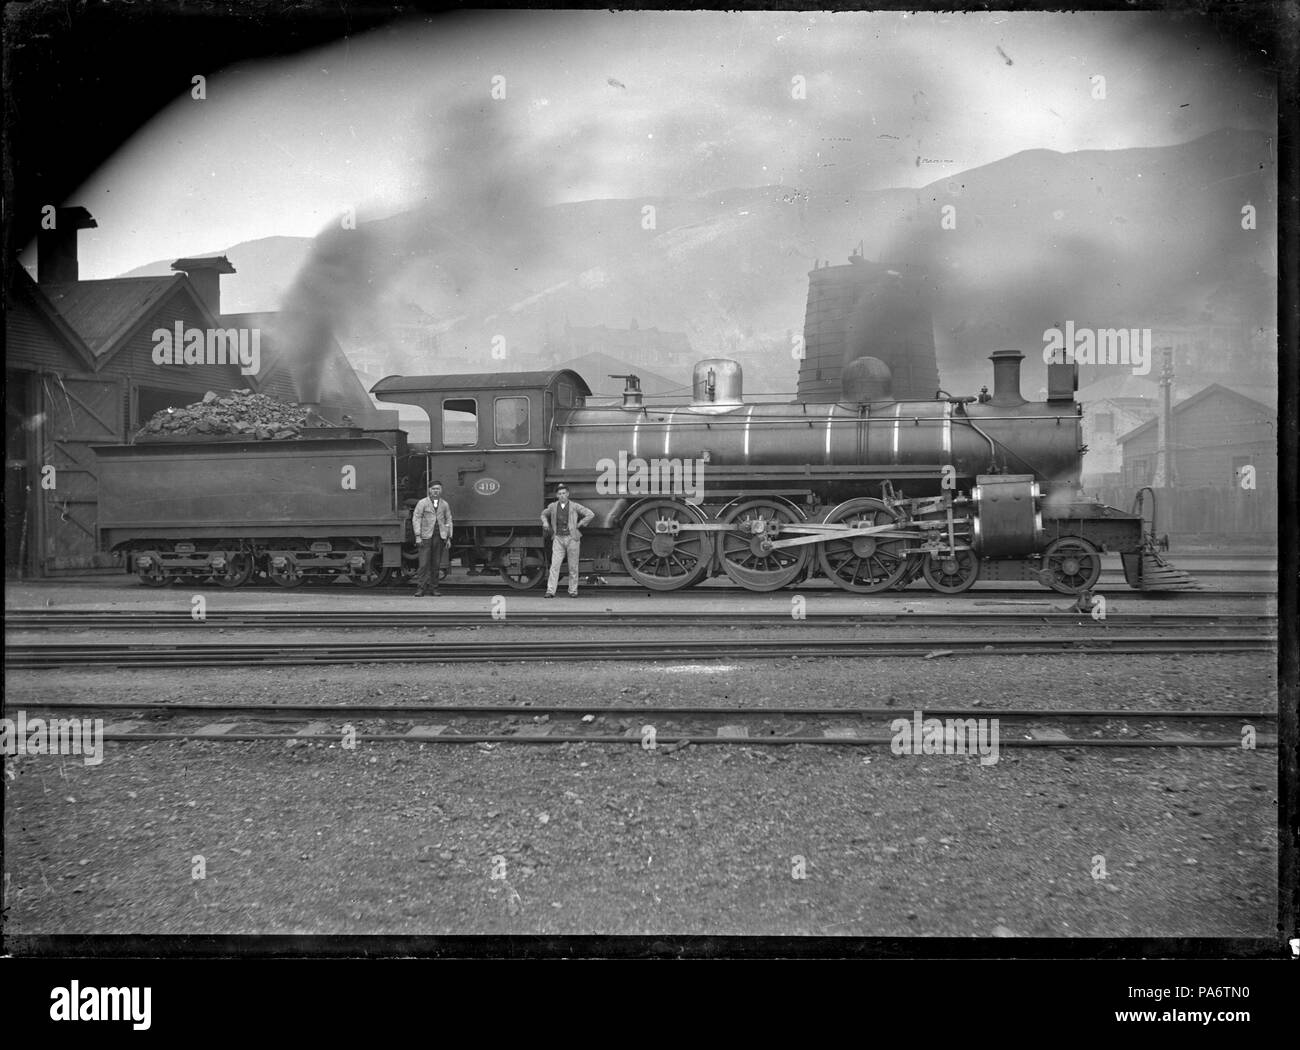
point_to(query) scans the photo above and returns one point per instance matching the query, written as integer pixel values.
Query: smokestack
(205, 275)
(1006, 378)
(56, 248)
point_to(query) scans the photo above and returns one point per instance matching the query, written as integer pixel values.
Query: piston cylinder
(1007, 521)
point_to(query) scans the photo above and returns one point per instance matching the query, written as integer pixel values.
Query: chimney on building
(56, 247)
(205, 275)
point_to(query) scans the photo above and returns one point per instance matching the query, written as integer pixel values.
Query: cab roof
(466, 383)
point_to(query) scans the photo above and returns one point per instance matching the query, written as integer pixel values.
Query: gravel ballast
(577, 839)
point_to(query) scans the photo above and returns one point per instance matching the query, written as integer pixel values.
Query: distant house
(1103, 422)
(80, 370)
(1216, 433)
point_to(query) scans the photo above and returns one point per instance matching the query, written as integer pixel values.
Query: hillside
(1132, 238)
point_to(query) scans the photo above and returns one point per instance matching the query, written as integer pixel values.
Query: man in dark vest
(565, 520)
(432, 524)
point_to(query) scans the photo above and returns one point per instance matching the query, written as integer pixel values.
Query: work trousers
(560, 546)
(426, 579)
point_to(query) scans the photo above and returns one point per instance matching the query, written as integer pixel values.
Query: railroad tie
(425, 732)
(215, 729)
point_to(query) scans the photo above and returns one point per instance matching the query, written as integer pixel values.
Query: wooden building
(1222, 461)
(1216, 433)
(81, 370)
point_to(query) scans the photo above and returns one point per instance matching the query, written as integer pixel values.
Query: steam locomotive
(869, 492)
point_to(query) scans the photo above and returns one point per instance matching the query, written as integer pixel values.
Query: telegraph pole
(1165, 453)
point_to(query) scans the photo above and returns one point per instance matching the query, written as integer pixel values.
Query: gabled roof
(1129, 404)
(258, 319)
(106, 313)
(1197, 398)
(277, 374)
(264, 320)
(25, 290)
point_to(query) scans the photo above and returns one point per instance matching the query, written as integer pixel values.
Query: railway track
(244, 654)
(651, 726)
(1110, 580)
(131, 619)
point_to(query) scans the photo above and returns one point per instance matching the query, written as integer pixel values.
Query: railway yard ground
(1106, 811)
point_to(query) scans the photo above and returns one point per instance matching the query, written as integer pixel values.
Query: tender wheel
(528, 575)
(1071, 565)
(155, 575)
(238, 571)
(864, 564)
(373, 575)
(744, 557)
(952, 573)
(657, 558)
(286, 575)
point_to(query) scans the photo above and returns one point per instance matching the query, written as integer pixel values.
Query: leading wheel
(952, 573)
(746, 554)
(238, 570)
(1071, 565)
(657, 556)
(866, 563)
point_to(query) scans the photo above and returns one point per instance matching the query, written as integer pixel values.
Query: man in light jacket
(565, 520)
(432, 524)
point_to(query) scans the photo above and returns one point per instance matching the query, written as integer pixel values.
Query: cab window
(459, 422)
(511, 415)
(566, 394)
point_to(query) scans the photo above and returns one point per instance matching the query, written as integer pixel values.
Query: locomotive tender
(869, 492)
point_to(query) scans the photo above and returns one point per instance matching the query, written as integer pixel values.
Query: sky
(643, 105)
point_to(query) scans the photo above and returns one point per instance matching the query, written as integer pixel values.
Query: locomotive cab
(491, 437)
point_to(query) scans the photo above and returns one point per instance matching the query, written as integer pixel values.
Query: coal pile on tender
(241, 413)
